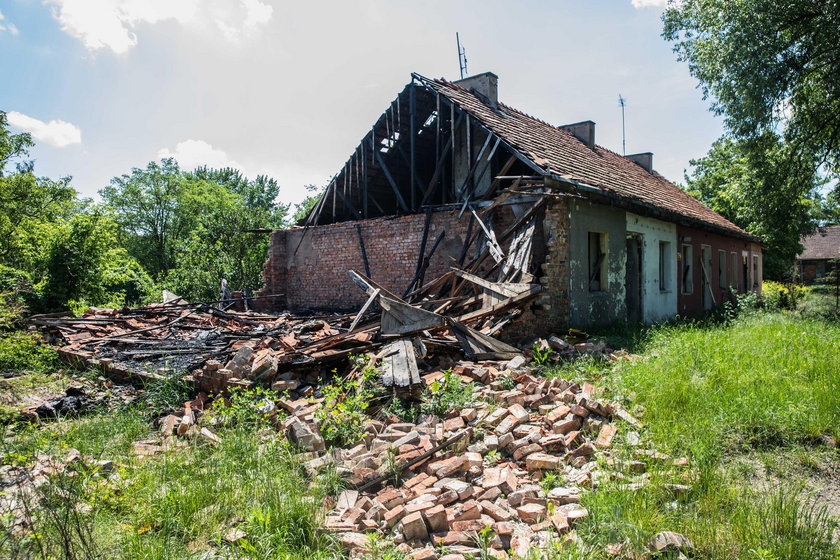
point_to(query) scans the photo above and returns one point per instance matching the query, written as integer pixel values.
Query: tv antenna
(622, 102)
(462, 56)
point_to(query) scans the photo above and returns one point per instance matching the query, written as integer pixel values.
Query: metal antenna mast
(462, 56)
(622, 102)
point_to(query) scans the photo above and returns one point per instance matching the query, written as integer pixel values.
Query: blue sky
(288, 89)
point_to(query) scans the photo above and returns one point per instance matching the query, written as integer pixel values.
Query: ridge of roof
(567, 157)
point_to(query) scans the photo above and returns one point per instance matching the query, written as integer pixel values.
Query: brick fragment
(413, 527)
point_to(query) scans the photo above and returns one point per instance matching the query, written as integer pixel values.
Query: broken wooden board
(399, 365)
(502, 305)
(494, 292)
(476, 344)
(517, 265)
(400, 318)
(369, 286)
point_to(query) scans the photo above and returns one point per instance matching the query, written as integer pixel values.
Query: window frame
(721, 269)
(601, 252)
(687, 276)
(665, 263)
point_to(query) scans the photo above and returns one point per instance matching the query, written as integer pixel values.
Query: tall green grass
(182, 503)
(763, 380)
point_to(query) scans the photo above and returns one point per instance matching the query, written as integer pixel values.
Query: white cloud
(55, 133)
(6, 25)
(195, 153)
(112, 24)
(649, 3)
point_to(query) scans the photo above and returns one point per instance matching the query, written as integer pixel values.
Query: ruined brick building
(448, 174)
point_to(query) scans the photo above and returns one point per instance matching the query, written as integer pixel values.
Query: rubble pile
(139, 344)
(478, 467)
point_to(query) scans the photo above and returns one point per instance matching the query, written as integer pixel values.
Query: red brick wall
(550, 311)
(315, 276)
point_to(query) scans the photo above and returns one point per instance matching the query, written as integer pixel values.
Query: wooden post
(412, 117)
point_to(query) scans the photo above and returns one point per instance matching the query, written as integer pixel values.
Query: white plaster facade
(658, 238)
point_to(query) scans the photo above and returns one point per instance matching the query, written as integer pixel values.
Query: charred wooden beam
(381, 161)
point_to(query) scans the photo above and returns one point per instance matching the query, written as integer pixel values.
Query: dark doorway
(633, 279)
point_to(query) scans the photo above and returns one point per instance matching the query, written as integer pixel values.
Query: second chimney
(485, 85)
(643, 160)
(583, 131)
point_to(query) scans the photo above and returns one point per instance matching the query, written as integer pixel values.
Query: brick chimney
(583, 131)
(485, 86)
(643, 160)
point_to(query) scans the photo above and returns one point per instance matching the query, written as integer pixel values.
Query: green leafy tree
(303, 207)
(192, 229)
(87, 266)
(30, 206)
(765, 196)
(148, 208)
(769, 66)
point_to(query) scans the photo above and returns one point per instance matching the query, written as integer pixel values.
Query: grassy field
(746, 402)
(749, 402)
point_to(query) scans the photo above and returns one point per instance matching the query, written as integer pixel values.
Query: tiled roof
(562, 154)
(822, 244)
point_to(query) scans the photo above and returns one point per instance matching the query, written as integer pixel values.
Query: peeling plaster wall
(657, 303)
(603, 307)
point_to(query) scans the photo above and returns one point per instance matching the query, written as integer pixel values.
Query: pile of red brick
(489, 477)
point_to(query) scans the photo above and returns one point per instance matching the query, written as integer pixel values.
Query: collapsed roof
(407, 161)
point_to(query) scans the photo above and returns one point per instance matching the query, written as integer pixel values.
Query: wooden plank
(421, 253)
(369, 285)
(475, 343)
(364, 308)
(364, 251)
(473, 266)
(391, 181)
(399, 364)
(399, 318)
(507, 289)
(492, 245)
(501, 306)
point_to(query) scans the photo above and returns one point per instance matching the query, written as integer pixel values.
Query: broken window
(745, 265)
(597, 261)
(722, 269)
(687, 269)
(664, 266)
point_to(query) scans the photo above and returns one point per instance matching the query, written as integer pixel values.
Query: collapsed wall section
(310, 266)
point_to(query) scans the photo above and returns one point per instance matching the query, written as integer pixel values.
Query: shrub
(775, 295)
(23, 352)
(445, 394)
(342, 415)
(246, 408)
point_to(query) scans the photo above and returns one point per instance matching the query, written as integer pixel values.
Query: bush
(342, 415)
(775, 295)
(23, 352)
(86, 266)
(445, 394)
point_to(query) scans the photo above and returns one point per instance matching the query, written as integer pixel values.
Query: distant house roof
(822, 244)
(563, 155)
